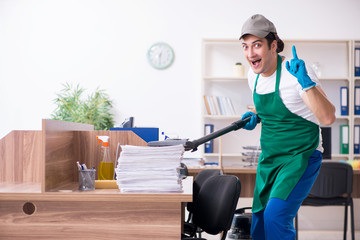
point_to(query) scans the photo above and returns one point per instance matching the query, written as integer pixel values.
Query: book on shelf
(216, 104)
(209, 145)
(344, 139)
(232, 109)
(219, 105)
(357, 61)
(356, 139)
(357, 100)
(207, 106)
(344, 100)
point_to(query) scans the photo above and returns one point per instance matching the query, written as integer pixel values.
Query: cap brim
(257, 33)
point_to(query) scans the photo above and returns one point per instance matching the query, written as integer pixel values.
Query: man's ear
(274, 46)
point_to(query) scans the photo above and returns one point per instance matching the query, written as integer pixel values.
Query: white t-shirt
(290, 92)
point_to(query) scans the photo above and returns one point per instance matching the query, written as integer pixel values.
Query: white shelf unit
(356, 82)
(335, 59)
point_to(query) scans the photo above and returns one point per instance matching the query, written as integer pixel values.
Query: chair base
(345, 220)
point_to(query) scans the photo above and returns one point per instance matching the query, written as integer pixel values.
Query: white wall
(45, 43)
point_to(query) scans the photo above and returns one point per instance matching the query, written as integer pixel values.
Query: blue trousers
(276, 221)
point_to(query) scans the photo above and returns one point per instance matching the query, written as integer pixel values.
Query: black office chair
(199, 180)
(184, 171)
(215, 205)
(332, 187)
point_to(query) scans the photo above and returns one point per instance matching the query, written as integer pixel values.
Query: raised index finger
(294, 52)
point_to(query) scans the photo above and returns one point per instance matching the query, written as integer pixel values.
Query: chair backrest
(216, 204)
(201, 177)
(199, 180)
(334, 179)
(184, 172)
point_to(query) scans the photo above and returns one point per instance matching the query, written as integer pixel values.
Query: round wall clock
(160, 55)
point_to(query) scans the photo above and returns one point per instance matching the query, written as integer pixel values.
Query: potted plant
(95, 109)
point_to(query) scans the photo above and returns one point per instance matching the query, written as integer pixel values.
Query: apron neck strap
(278, 74)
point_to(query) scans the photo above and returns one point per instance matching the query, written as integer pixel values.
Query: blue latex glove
(297, 69)
(253, 121)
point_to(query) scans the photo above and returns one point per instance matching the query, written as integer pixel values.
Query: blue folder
(357, 100)
(357, 62)
(344, 100)
(356, 139)
(147, 134)
(209, 146)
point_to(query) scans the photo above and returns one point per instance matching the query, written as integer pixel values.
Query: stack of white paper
(149, 169)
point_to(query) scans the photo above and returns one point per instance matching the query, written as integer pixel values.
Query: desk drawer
(89, 220)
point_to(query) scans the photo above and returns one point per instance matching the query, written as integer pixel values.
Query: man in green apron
(291, 104)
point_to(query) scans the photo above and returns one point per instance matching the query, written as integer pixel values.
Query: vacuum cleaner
(241, 224)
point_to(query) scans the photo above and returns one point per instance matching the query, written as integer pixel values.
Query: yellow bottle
(106, 166)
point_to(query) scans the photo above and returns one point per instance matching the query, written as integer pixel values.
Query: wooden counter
(247, 178)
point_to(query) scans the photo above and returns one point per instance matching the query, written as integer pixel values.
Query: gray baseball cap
(258, 25)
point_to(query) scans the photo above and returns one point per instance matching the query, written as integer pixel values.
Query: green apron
(287, 142)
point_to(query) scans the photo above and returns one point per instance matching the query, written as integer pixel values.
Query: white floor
(329, 235)
(308, 235)
(317, 224)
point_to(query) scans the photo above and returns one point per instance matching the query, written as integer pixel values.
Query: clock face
(160, 55)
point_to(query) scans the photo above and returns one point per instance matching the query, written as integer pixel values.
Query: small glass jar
(317, 68)
(238, 70)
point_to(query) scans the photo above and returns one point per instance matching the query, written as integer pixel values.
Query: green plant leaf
(95, 110)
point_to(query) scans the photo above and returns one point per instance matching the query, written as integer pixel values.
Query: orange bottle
(106, 166)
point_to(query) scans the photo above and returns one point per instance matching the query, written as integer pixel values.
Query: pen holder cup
(87, 179)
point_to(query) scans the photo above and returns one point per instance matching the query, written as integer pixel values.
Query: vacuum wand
(192, 145)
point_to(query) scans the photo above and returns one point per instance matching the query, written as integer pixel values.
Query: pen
(79, 166)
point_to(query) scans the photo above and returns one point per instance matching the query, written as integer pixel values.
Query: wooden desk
(39, 200)
(246, 176)
(99, 214)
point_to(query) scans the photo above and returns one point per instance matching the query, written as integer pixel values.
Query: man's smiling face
(259, 55)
